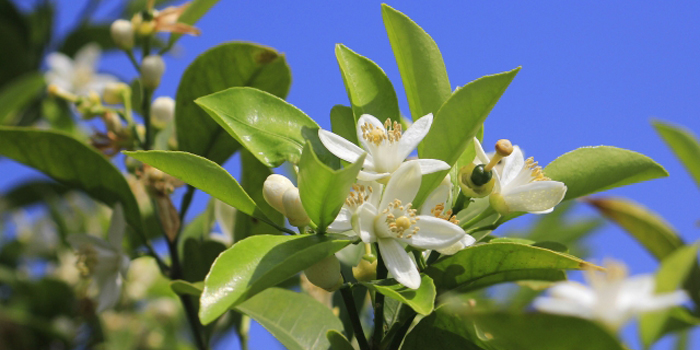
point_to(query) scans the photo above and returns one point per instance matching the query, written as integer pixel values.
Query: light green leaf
(649, 229)
(186, 288)
(457, 122)
(270, 128)
(195, 11)
(593, 169)
(322, 189)
(17, 94)
(202, 174)
(338, 341)
(222, 67)
(73, 164)
(496, 262)
(684, 144)
(422, 300)
(673, 272)
(369, 89)
(297, 320)
(343, 123)
(420, 63)
(259, 262)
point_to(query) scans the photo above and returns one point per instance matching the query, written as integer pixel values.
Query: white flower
(386, 144)
(78, 75)
(436, 205)
(612, 299)
(104, 261)
(360, 193)
(394, 223)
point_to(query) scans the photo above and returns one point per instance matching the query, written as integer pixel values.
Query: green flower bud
(122, 33)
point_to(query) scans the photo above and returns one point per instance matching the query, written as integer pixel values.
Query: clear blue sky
(593, 73)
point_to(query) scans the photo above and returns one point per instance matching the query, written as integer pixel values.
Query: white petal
(535, 196)
(562, 307)
(435, 233)
(369, 119)
(399, 263)
(109, 289)
(364, 224)
(403, 185)
(225, 216)
(512, 165)
(664, 301)
(481, 157)
(466, 241)
(99, 82)
(342, 222)
(440, 195)
(117, 227)
(343, 148)
(414, 135)
(370, 176)
(102, 247)
(429, 166)
(88, 56)
(574, 291)
(60, 64)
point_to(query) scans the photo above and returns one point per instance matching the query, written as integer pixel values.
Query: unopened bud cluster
(282, 195)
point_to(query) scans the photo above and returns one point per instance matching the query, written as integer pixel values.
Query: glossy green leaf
(496, 262)
(202, 174)
(684, 144)
(457, 122)
(259, 262)
(17, 94)
(73, 164)
(420, 63)
(444, 329)
(368, 87)
(593, 169)
(343, 123)
(422, 300)
(198, 257)
(222, 67)
(297, 320)
(673, 272)
(649, 229)
(195, 10)
(338, 341)
(186, 288)
(322, 189)
(270, 128)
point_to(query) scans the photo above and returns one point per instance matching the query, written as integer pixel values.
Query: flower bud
(162, 111)
(365, 271)
(293, 209)
(325, 274)
(273, 189)
(114, 92)
(475, 181)
(152, 69)
(123, 34)
(143, 26)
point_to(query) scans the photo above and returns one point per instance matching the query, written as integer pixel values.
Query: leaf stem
(349, 301)
(379, 304)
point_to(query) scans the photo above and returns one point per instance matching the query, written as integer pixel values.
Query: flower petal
(343, 148)
(399, 263)
(562, 307)
(414, 135)
(466, 241)
(575, 291)
(102, 247)
(535, 196)
(481, 157)
(512, 165)
(371, 176)
(117, 227)
(363, 222)
(367, 119)
(88, 56)
(225, 216)
(429, 166)
(109, 290)
(403, 185)
(60, 64)
(440, 195)
(435, 233)
(342, 222)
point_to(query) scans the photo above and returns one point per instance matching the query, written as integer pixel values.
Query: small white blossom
(612, 298)
(78, 76)
(104, 261)
(437, 205)
(386, 144)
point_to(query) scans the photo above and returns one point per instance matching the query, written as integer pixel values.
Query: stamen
(377, 135)
(535, 170)
(87, 260)
(438, 210)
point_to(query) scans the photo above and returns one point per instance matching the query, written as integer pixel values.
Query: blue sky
(593, 73)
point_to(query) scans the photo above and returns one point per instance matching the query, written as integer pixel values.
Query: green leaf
(222, 67)
(270, 128)
(199, 228)
(496, 262)
(593, 169)
(322, 189)
(420, 63)
(259, 262)
(684, 144)
(76, 40)
(343, 123)
(297, 320)
(202, 174)
(457, 122)
(186, 288)
(673, 272)
(73, 164)
(195, 11)
(443, 329)
(31, 192)
(253, 176)
(198, 257)
(338, 341)
(369, 89)
(422, 300)
(17, 94)
(649, 229)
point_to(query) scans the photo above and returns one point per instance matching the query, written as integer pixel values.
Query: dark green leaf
(198, 257)
(99, 34)
(338, 341)
(422, 300)
(32, 192)
(343, 123)
(17, 94)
